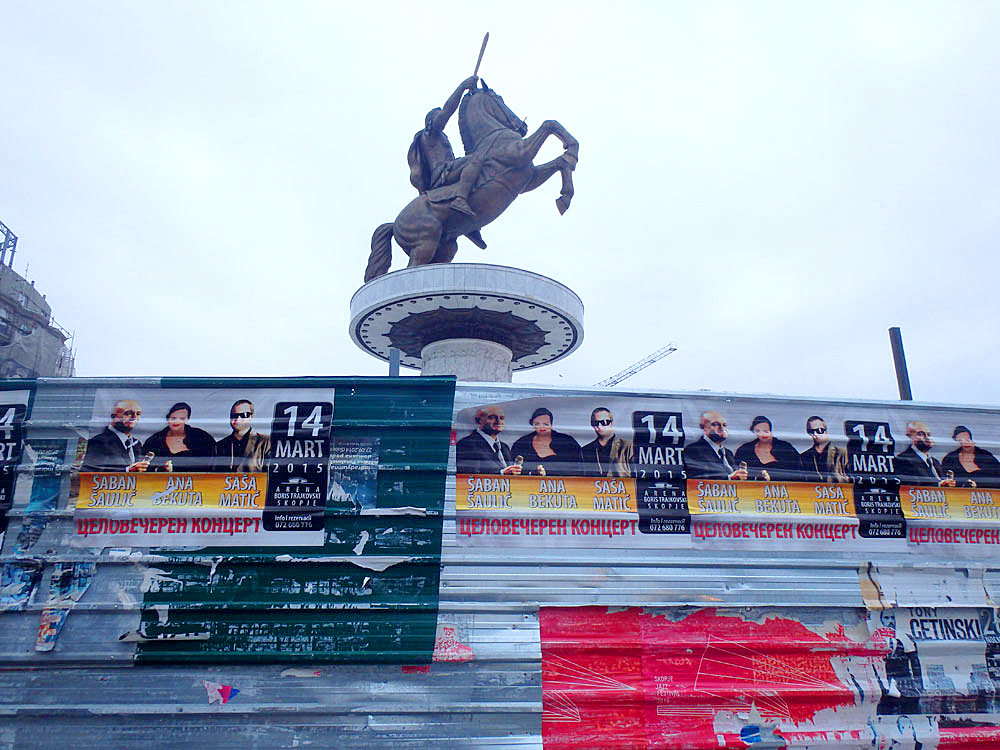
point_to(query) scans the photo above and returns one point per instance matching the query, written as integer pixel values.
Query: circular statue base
(476, 321)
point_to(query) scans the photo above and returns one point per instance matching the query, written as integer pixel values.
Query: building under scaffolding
(32, 344)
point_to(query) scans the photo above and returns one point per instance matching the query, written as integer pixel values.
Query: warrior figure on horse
(460, 196)
(433, 164)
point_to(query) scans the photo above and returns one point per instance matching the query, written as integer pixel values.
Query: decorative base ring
(534, 317)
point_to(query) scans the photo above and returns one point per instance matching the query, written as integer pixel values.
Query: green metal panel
(379, 605)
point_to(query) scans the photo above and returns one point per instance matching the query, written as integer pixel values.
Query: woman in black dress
(971, 465)
(545, 451)
(768, 458)
(187, 448)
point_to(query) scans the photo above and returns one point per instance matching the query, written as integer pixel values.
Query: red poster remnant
(447, 646)
(969, 738)
(592, 687)
(708, 678)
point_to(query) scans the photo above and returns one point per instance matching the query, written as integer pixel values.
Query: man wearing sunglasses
(244, 449)
(822, 462)
(608, 455)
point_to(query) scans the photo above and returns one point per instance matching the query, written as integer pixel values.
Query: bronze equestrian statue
(460, 196)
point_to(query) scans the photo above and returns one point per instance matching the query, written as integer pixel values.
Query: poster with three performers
(168, 467)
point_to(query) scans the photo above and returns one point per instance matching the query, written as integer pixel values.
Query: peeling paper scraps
(407, 510)
(379, 564)
(930, 585)
(124, 596)
(301, 673)
(219, 693)
(137, 636)
(751, 727)
(68, 583)
(152, 578)
(17, 583)
(30, 532)
(134, 555)
(49, 626)
(871, 591)
(162, 612)
(447, 647)
(360, 546)
(212, 563)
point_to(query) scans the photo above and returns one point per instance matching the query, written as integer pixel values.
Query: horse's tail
(381, 257)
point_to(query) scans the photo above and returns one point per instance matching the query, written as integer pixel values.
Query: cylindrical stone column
(468, 359)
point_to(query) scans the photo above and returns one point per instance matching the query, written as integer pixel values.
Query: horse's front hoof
(562, 203)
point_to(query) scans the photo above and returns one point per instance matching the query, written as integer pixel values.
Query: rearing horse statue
(428, 229)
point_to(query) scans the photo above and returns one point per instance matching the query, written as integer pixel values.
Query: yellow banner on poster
(950, 503)
(770, 498)
(171, 491)
(587, 494)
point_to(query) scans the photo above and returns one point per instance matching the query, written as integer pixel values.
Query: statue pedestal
(467, 359)
(476, 321)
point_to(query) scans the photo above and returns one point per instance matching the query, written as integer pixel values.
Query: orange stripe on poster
(950, 503)
(770, 498)
(553, 494)
(171, 491)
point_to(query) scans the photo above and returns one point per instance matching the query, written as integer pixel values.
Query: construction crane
(642, 364)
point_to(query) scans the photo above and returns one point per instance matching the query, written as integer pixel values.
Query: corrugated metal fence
(403, 630)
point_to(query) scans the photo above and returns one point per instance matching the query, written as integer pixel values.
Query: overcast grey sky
(768, 185)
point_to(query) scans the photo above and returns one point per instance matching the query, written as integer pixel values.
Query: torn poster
(704, 678)
(353, 474)
(17, 582)
(68, 583)
(219, 693)
(940, 660)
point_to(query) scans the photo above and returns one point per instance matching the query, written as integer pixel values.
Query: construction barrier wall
(407, 562)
